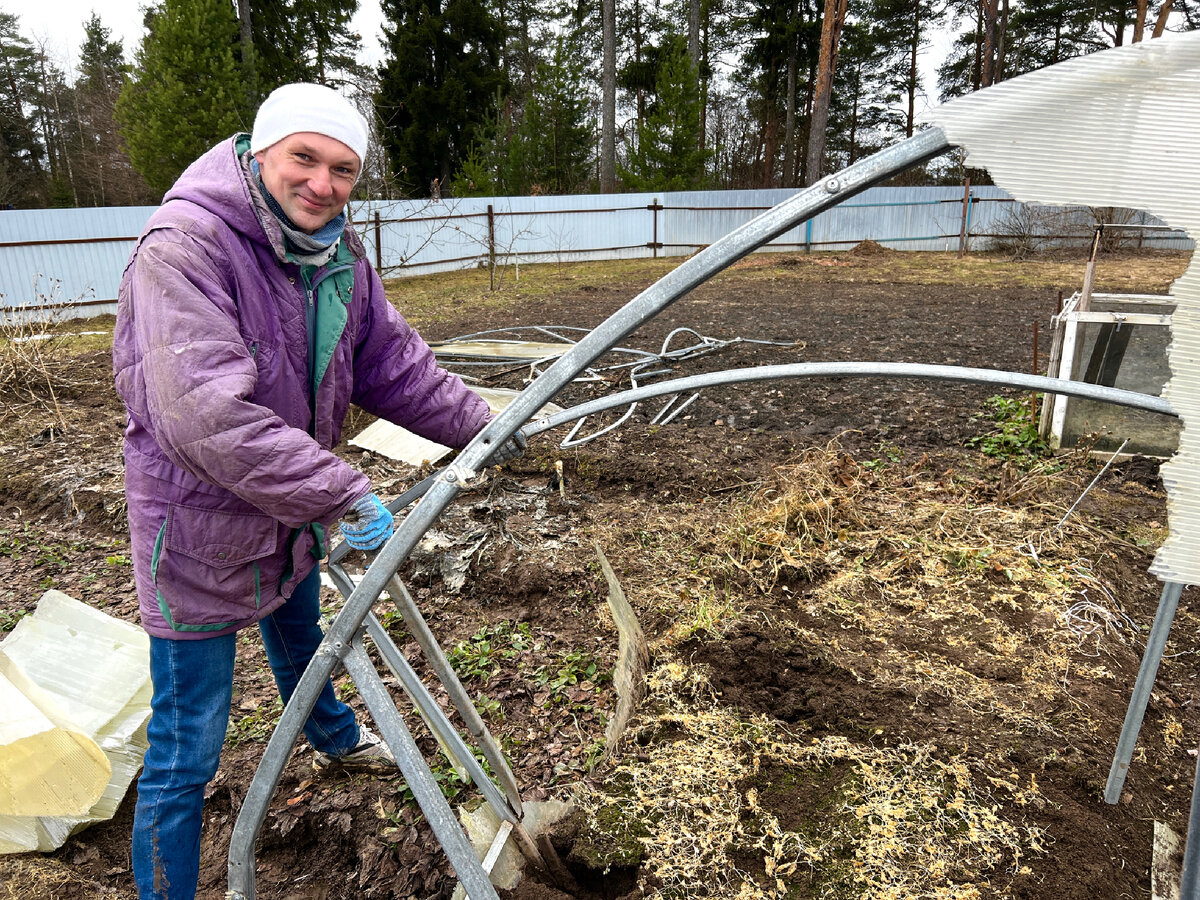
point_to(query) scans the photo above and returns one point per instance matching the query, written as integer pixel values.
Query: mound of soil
(870, 248)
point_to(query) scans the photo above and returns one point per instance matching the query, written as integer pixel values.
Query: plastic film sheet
(1116, 128)
(74, 702)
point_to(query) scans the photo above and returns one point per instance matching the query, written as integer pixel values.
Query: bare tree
(832, 21)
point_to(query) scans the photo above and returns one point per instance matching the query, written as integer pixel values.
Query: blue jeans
(193, 688)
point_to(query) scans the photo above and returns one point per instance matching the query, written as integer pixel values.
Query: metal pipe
(1189, 881)
(425, 638)
(1141, 693)
(856, 370)
(1100, 393)
(675, 284)
(1112, 459)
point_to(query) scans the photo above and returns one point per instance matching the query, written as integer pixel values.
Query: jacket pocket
(206, 566)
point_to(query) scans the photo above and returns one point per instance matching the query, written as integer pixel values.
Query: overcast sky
(59, 24)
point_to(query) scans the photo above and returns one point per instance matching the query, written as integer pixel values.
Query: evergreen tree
(303, 40)
(22, 181)
(902, 28)
(670, 155)
(332, 46)
(545, 152)
(280, 51)
(51, 102)
(103, 175)
(187, 91)
(556, 126)
(864, 115)
(437, 85)
(777, 75)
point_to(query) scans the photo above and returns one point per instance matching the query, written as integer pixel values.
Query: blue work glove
(367, 524)
(510, 449)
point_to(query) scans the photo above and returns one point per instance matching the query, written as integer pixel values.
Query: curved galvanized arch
(688, 275)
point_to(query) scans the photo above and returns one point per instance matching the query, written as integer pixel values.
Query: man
(249, 319)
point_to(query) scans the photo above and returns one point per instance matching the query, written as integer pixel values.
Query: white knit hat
(309, 107)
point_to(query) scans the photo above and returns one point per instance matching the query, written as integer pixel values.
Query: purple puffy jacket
(229, 477)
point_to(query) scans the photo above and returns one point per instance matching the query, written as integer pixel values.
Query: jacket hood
(216, 182)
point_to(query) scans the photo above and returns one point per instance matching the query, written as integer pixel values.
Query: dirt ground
(878, 665)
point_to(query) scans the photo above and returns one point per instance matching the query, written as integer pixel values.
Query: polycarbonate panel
(1117, 128)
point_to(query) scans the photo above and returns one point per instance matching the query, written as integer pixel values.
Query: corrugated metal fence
(74, 257)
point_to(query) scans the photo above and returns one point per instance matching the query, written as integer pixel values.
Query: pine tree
(187, 91)
(437, 85)
(22, 181)
(547, 149)
(332, 46)
(669, 155)
(903, 28)
(51, 102)
(777, 75)
(103, 175)
(864, 115)
(556, 126)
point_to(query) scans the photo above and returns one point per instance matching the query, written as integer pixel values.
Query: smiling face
(310, 175)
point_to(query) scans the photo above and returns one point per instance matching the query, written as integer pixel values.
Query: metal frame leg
(451, 741)
(1189, 882)
(1141, 690)
(420, 779)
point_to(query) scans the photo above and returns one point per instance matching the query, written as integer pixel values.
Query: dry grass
(34, 877)
(39, 369)
(936, 590)
(426, 299)
(1151, 272)
(986, 584)
(894, 823)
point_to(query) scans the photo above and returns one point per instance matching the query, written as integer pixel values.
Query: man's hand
(510, 449)
(367, 524)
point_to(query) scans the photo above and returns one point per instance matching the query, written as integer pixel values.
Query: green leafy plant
(888, 453)
(1013, 434)
(10, 618)
(574, 668)
(480, 656)
(254, 727)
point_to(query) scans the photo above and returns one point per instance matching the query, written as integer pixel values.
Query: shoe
(371, 756)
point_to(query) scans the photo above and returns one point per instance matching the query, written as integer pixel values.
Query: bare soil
(892, 618)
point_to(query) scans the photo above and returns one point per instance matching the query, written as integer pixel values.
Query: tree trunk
(854, 120)
(910, 123)
(977, 71)
(1160, 23)
(704, 81)
(832, 20)
(789, 122)
(1139, 24)
(1001, 43)
(808, 109)
(989, 43)
(694, 33)
(248, 66)
(608, 104)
